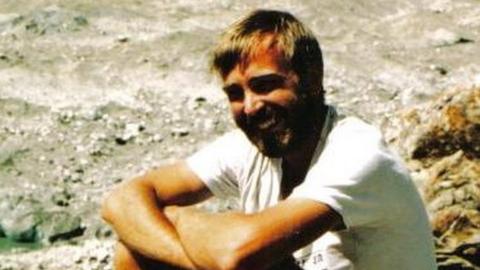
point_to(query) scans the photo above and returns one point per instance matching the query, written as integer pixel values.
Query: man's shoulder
(352, 131)
(231, 144)
(234, 139)
(354, 146)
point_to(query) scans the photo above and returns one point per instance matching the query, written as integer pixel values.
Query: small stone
(83, 162)
(72, 177)
(180, 132)
(105, 259)
(439, 69)
(157, 138)
(60, 225)
(443, 37)
(121, 140)
(445, 184)
(66, 117)
(98, 150)
(210, 124)
(62, 198)
(79, 148)
(200, 99)
(103, 232)
(123, 39)
(80, 20)
(131, 131)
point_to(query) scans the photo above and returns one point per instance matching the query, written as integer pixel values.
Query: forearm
(137, 218)
(205, 236)
(253, 242)
(223, 241)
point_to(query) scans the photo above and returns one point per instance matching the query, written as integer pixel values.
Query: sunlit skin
(265, 103)
(262, 80)
(264, 100)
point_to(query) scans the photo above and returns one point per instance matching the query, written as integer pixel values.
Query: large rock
(440, 141)
(20, 219)
(28, 221)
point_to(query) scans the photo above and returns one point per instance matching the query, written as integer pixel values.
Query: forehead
(263, 58)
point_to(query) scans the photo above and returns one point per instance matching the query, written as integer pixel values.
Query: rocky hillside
(95, 92)
(440, 141)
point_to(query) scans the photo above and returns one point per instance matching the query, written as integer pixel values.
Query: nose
(252, 103)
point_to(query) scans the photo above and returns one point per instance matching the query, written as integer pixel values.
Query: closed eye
(266, 83)
(234, 92)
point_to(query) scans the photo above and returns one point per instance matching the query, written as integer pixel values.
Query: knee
(124, 258)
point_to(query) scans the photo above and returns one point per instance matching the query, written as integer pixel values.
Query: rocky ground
(92, 94)
(440, 141)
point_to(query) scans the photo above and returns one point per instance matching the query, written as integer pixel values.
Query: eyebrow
(226, 87)
(273, 77)
(259, 79)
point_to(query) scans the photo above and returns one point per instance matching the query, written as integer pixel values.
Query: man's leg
(125, 259)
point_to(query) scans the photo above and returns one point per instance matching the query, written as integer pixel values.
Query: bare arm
(135, 211)
(256, 241)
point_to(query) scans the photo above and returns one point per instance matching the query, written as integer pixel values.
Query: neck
(305, 148)
(295, 164)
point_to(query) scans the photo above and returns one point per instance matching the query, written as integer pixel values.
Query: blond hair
(294, 41)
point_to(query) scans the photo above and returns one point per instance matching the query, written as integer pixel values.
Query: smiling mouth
(267, 124)
(269, 119)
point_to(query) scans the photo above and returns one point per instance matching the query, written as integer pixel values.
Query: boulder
(440, 141)
(28, 221)
(20, 220)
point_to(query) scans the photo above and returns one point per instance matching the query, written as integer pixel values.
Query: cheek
(283, 98)
(236, 108)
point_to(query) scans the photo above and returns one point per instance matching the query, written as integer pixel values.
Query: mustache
(267, 117)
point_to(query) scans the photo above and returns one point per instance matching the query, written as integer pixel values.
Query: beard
(276, 130)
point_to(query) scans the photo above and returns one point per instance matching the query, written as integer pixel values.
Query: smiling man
(317, 190)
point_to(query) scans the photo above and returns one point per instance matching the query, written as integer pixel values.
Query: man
(310, 183)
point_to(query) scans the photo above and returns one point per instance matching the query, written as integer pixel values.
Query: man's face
(265, 102)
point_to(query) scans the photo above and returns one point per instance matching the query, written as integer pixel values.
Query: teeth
(267, 124)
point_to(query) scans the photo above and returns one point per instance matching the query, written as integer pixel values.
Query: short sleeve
(219, 164)
(352, 174)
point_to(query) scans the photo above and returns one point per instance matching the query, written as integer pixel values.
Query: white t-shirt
(353, 172)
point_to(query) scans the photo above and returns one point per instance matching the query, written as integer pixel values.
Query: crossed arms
(150, 216)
